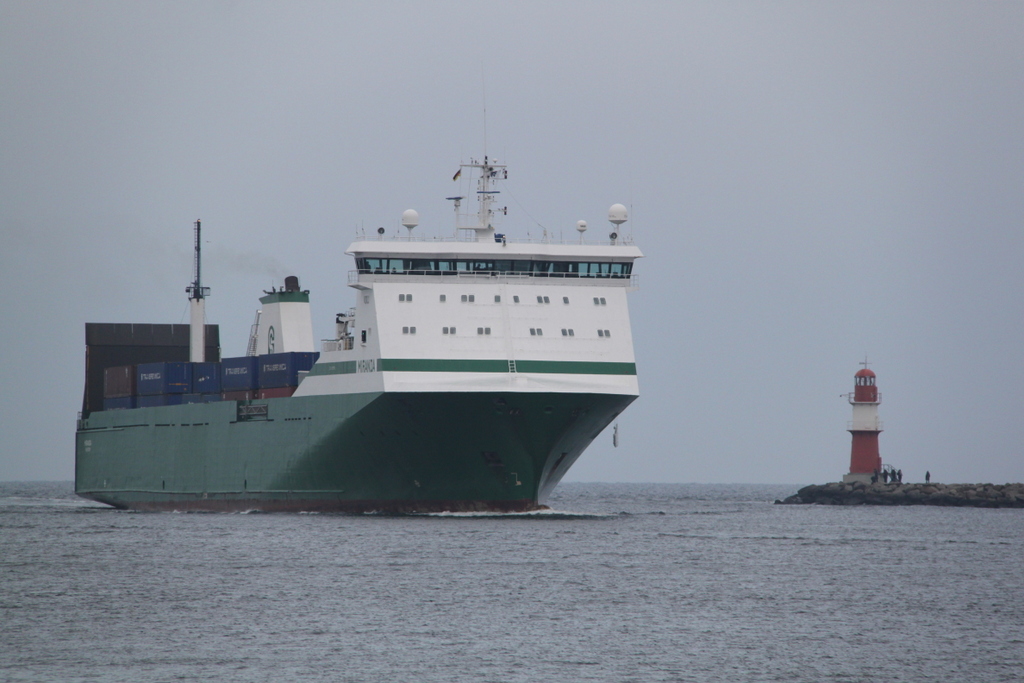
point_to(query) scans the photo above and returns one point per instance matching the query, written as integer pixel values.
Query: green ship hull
(375, 452)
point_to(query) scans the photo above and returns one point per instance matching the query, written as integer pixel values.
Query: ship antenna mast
(197, 305)
(489, 170)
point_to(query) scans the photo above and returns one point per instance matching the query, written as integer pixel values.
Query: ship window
(363, 335)
(444, 330)
(408, 297)
(540, 332)
(533, 331)
(412, 330)
(564, 269)
(565, 299)
(453, 330)
(366, 298)
(497, 298)
(405, 330)
(603, 302)
(443, 298)
(597, 302)
(465, 298)
(600, 333)
(565, 332)
(479, 330)
(547, 300)
(571, 333)
(401, 297)
(540, 299)
(487, 330)
(607, 333)
(472, 298)
(515, 299)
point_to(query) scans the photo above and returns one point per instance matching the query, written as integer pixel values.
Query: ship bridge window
(604, 333)
(418, 266)
(409, 330)
(515, 299)
(497, 298)
(536, 332)
(565, 299)
(483, 330)
(405, 297)
(443, 298)
(448, 330)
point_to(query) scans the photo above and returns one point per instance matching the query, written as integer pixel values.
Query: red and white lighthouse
(864, 427)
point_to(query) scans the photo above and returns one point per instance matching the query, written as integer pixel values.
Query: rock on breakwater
(949, 495)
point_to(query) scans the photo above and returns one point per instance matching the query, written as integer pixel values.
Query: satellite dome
(410, 218)
(581, 226)
(617, 214)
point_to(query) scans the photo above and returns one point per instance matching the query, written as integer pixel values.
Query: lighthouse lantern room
(864, 427)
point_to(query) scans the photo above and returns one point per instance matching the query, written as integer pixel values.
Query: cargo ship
(470, 375)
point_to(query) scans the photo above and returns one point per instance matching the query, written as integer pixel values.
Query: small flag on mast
(457, 174)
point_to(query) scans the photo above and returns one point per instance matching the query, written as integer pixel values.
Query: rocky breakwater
(949, 495)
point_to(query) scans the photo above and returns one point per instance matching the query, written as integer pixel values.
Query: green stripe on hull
(478, 365)
(401, 452)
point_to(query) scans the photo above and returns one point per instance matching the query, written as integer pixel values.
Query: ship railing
(622, 240)
(329, 345)
(864, 426)
(632, 279)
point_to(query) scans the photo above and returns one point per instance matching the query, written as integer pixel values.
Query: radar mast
(197, 306)
(484, 225)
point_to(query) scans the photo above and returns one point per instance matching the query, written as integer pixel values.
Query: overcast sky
(810, 183)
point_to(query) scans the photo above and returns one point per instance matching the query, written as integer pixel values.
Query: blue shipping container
(160, 400)
(239, 374)
(282, 369)
(119, 403)
(206, 378)
(164, 378)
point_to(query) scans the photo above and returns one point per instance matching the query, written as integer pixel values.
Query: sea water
(622, 582)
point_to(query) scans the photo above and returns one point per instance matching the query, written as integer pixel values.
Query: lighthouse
(864, 427)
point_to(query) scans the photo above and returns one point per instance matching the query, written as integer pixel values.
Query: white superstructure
(484, 314)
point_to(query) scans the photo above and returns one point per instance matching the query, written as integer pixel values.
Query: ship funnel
(285, 323)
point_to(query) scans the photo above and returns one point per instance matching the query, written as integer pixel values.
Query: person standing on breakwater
(928, 477)
(899, 476)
